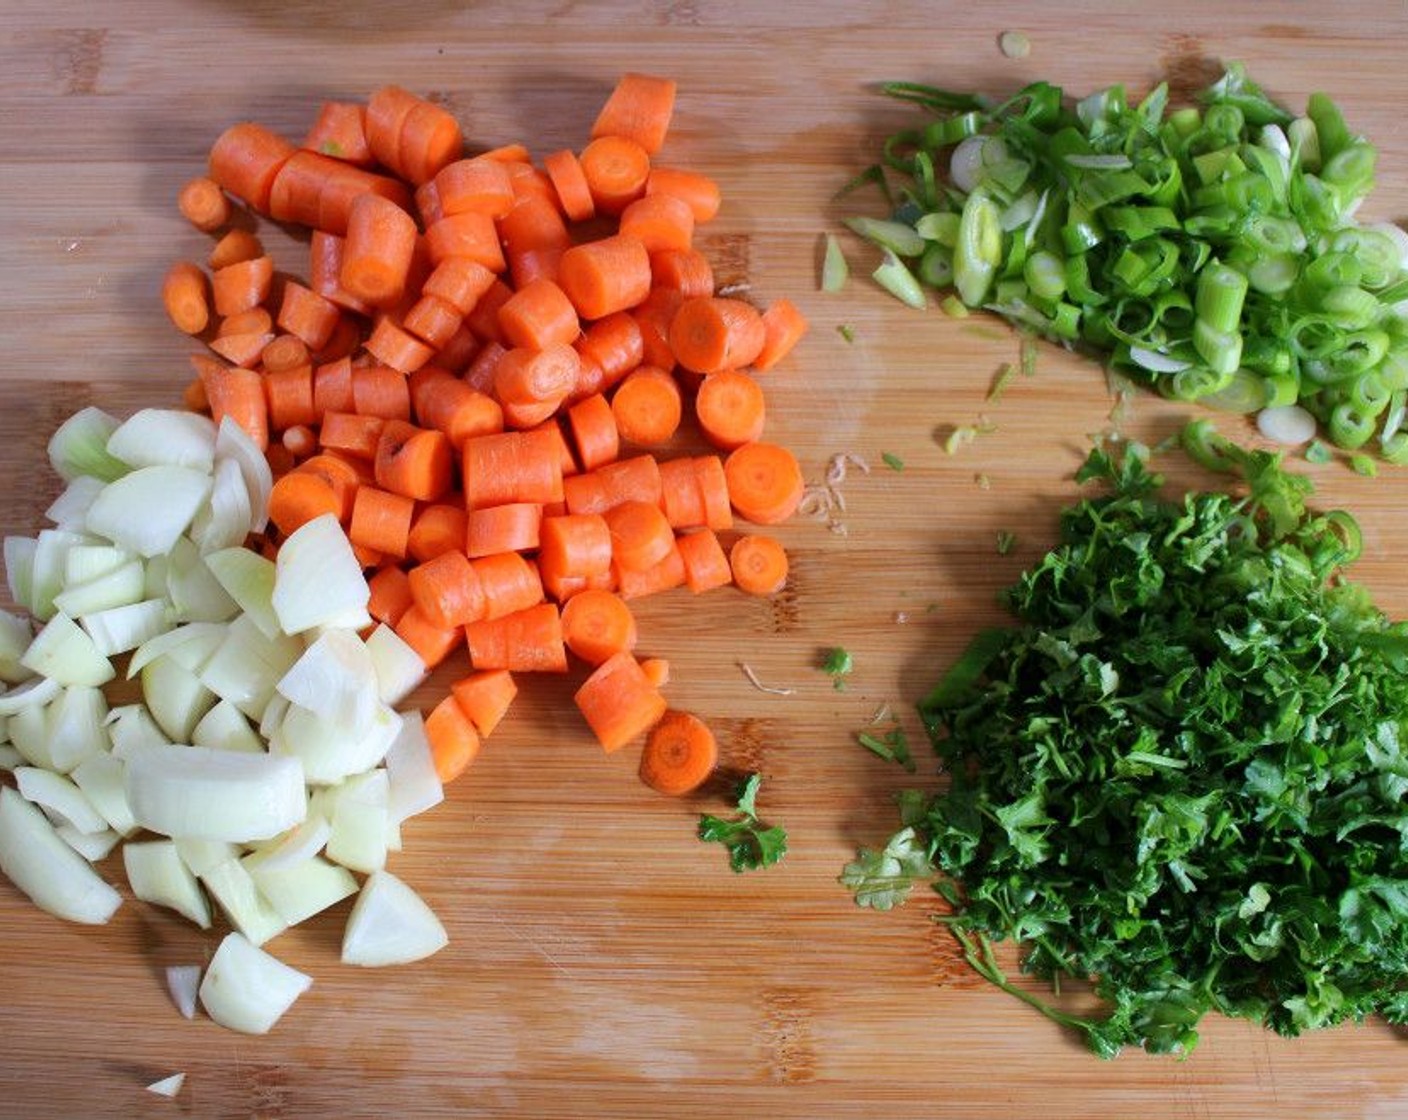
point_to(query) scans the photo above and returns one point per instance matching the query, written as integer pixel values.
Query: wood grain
(603, 962)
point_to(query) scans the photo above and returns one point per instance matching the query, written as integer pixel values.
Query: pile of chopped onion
(266, 767)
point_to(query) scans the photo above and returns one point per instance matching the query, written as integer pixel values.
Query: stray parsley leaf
(893, 746)
(846, 331)
(1006, 541)
(893, 461)
(750, 843)
(882, 880)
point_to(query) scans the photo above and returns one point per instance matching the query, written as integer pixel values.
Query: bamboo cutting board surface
(603, 962)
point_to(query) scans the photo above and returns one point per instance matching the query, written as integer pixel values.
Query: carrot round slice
(680, 753)
(764, 482)
(759, 564)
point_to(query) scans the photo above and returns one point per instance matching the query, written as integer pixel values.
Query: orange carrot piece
(511, 583)
(656, 670)
(296, 194)
(485, 697)
(511, 467)
(526, 641)
(710, 333)
(307, 315)
(325, 251)
(184, 295)
(461, 412)
(244, 160)
(340, 188)
(697, 190)
(381, 521)
(242, 350)
(507, 153)
(529, 182)
(534, 223)
(340, 132)
(300, 440)
(594, 431)
(341, 477)
(653, 316)
(647, 406)
(706, 565)
(513, 527)
(527, 376)
(297, 497)
(432, 320)
(597, 625)
(235, 246)
(539, 315)
(471, 235)
(459, 281)
(730, 408)
(573, 194)
(562, 587)
(681, 493)
(575, 545)
(454, 741)
(616, 168)
(390, 595)
(634, 479)
(759, 564)
(606, 275)
(432, 643)
(288, 395)
(553, 430)
(686, 271)
(458, 351)
(239, 394)
(784, 325)
(764, 482)
(447, 591)
(483, 320)
(392, 346)
(380, 391)
(430, 141)
(639, 107)
(203, 204)
(713, 484)
(668, 574)
(285, 351)
(640, 535)
(436, 529)
(332, 387)
(193, 398)
(679, 755)
(416, 462)
(615, 343)
(387, 110)
(659, 221)
(238, 287)
(351, 434)
(618, 702)
(256, 320)
(479, 185)
(376, 257)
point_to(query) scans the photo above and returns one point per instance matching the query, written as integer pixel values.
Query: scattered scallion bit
(1006, 541)
(1364, 465)
(964, 434)
(846, 331)
(834, 269)
(954, 307)
(1316, 451)
(838, 665)
(751, 843)
(891, 460)
(1001, 379)
(892, 746)
(1014, 44)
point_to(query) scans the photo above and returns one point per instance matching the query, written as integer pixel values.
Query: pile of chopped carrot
(483, 375)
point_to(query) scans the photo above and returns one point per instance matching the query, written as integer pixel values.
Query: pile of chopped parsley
(1181, 776)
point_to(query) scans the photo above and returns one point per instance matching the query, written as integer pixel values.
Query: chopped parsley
(751, 844)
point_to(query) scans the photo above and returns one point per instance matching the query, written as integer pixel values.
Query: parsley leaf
(838, 666)
(893, 746)
(891, 460)
(750, 843)
(882, 880)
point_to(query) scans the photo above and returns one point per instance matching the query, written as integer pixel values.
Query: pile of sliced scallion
(1210, 251)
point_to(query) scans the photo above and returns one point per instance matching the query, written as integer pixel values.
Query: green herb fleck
(846, 331)
(1001, 379)
(891, 460)
(1316, 451)
(1006, 541)
(838, 665)
(750, 843)
(1362, 464)
(893, 746)
(882, 880)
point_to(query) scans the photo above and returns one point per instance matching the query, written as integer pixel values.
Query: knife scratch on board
(532, 943)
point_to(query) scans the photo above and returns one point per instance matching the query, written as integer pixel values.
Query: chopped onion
(189, 645)
(10, 757)
(390, 924)
(204, 856)
(103, 780)
(120, 629)
(76, 727)
(331, 749)
(28, 729)
(48, 568)
(247, 989)
(157, 874)
(318, 581)
(92, 846)
(248, 579)
(19, 570)
(225, 521)
(168, 1086)
(15, 636)
(150, 508)
(300, 843)
(84, 562)
(226, 727)
(359, 822)
(233, 442)
(335, 678)
(70, 509)
(175, 698)
(80, 446)
(413, 784)
(155, 436)
(1287, 423)
(248, 910)
(53, 875)
(131, 727)
(299, 891)
(60, 799)
(64, 652)
(183, 982)
(246, 668)
(209, 794)
(120, 587)
(399, 668)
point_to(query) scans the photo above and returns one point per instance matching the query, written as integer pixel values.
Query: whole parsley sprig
(751, 844)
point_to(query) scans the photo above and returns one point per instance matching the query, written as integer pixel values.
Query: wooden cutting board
(603, 962)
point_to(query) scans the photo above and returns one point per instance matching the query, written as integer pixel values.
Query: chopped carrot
(340, 475)
(513, 527)
(240, 286)
(614, 341)
(256, 320)
(511, 467)
(447, 591)
(432, 643)
(341, 186)
(380, 391)
(454, 742)
(430, 141)
(376, 256)
(573, 193)
(710, 333)
(471, 235)
(554, 431)
(288, 393)
(479, 185)
(680, 753)
(483, 319)
(381, 520)
(784, 325)
(244, 160)
(459, 350)
(184, 295)
(388, 109)
(666, 575)
(297, 498)
(699, 191)
(533, 375)
(397, 348)
(658, 221)
(634, 479)
(340, 131)
(436, 529)
(618, 702)
(598, 624)
(563, 588)
(640, 535)
(730, 408)
(325, 253)
(759, 564)
(530, 182)
(459, 281)
(307, 315)
(416, 462)
(764, 482)
(575, 545)
(332, 387)
(653, 316)
(706, 565)
(285, 352)
(506, 153)
(355, 435)
(203, 204)
(511, 583)
(538, 315)
(594, 431)
(616, 168)
(235, 246)
(460, 411)
(193, 397)
(610, 274)
(713, 483)
(239, 394)
(390, 595)
(647, 407)
(639, 107)
(526, 641)
(686, 271)
(485, 698)
(682, 493)
(432, 320)
(241, 349)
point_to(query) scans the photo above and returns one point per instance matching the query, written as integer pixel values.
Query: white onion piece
(209, 794)
(246, 668)
(19, 555)
(331, 749)
(195, 593)
(301, 890)
(298, 845)
(92, 846)
(168, 1086)
(83, 562)
(360, 818)
(334, 678)
(965, 167)
(120, 629)
(149, 509)
(53, 875)
(226, 727)
(33, 693)
(80, 446)
(103, 780)
(399, 668)
(15, 636)
(204, 856)
(77, 728)
(64, 652)
(70, 509)
(183, 982)
(413, 784)
(28, 730)
(390, 924)
(132, 727)
(175, 698)
(49, 568)
(225, 521)
(121, 587)
(157, 874)
(59, 798)
(154, 436)
(248, 910)
(248, 579)
(1287, 423)
(233, 442)
(318, 580)
(189, 645)
(10, 757)
(247, 989)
